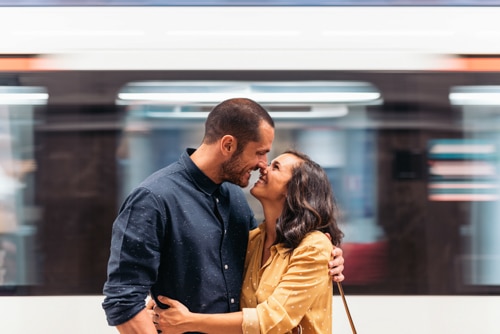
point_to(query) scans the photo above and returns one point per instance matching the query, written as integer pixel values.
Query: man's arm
(132, 266)
(140, 324)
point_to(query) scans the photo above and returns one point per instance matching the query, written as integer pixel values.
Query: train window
(174, 112)
(19, 215)
(473, 169)
(324, 119)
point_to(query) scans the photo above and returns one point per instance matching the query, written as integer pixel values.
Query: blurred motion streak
(23, 63)
(368, 262)
(478, 63)
(462, 170)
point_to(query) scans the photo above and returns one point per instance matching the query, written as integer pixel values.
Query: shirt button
(232, 300)
(226, 266)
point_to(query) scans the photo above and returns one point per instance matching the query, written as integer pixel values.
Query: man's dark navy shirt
(169, 240)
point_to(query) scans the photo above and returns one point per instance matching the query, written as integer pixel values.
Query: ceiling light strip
(180, 98)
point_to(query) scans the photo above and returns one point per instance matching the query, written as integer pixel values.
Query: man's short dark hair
(238, 117)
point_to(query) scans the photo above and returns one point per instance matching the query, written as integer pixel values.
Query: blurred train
(400, 105)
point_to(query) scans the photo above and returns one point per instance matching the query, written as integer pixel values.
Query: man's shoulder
(167, 174)
(231, 188)
(162, 181)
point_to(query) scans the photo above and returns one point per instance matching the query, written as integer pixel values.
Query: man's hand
(336, 265)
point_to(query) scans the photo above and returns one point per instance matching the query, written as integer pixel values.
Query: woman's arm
(304, 279)
(178, 319)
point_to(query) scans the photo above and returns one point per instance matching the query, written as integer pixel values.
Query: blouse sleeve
(305, 279)
(250, 321)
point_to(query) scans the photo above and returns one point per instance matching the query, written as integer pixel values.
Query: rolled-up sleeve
(134, 257)
(250, 323)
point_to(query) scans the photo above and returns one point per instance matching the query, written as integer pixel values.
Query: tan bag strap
(346, 308)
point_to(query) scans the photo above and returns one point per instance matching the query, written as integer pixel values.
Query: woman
(286, 287)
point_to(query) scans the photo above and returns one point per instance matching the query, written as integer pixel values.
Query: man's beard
(232, 172)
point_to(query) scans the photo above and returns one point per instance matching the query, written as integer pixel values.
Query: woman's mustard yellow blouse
(289, 289)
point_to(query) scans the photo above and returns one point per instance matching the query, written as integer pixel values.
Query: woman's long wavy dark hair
(309, 206)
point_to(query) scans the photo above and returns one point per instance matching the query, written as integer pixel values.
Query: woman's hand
(150, 304)
(173, 320)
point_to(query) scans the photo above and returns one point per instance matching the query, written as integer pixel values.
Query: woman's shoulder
(317, 236)
(316, 240)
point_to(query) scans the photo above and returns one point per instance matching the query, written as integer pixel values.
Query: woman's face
(272, 185)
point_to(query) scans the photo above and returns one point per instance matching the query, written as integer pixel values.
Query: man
(183, 231)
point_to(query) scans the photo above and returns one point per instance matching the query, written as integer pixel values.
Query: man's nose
(262, 165)
(263, 160)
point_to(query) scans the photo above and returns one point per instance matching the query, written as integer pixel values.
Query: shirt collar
(282, 251)
(203, 182)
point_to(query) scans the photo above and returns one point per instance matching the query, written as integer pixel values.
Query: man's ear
(228, 145)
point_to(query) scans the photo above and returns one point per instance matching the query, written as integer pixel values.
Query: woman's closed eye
(275, 165)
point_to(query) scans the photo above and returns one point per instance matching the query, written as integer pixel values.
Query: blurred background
(399, 101)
